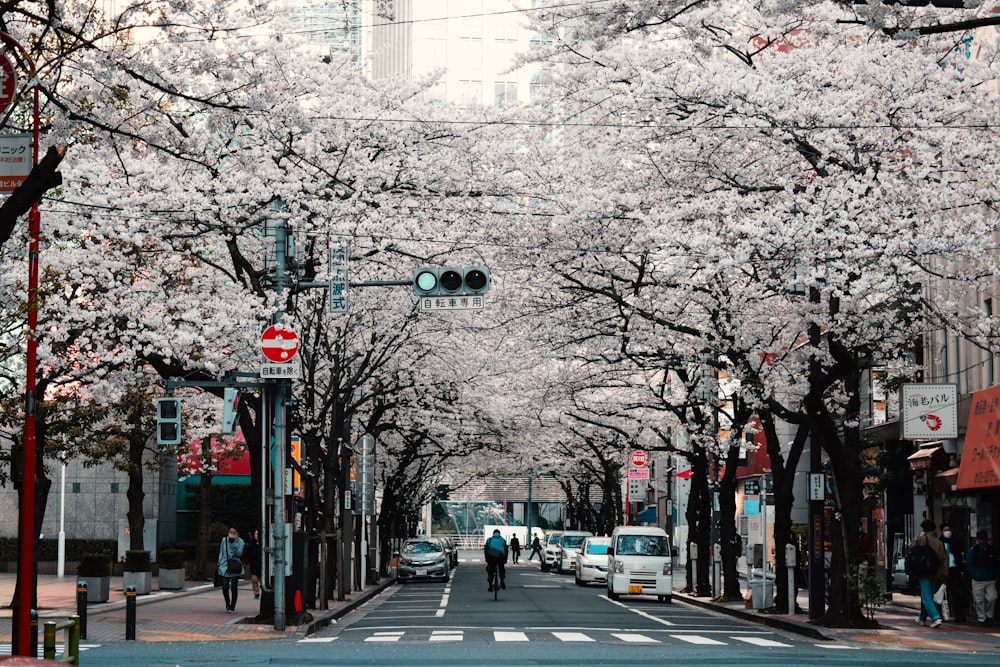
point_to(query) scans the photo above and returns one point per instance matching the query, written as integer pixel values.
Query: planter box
(141, 581)
(170, 579)
(98, 588)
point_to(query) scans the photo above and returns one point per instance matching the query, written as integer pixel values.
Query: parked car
(450, 549)
(569, 547)
(550, 549)
(423, 558)
(592, 561)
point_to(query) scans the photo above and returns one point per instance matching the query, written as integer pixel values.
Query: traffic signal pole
(278, 436)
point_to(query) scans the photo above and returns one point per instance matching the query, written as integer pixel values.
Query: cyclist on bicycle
(496, 551)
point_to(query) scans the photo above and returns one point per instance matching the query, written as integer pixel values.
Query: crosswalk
(603, 636)
(8, 649)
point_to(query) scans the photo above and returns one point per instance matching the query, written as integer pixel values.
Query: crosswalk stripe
(447, 636)
(698, 639)
(572, 637)
(635, 638)
(393, 636)
(507, 636)
(316, 640)
(762, 641)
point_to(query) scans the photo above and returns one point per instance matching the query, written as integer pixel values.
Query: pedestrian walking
(981, 562)
(536, 548)
(515, 549)
(931, 570)
(954, 553)
(251, 560)
(231, 566)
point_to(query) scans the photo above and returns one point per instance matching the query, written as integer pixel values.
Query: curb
(770, 620)
(343, 609)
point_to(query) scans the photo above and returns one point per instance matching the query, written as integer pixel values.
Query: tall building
(472, 42)
(334, 25)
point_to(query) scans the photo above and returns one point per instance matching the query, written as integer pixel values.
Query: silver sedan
(592, 561)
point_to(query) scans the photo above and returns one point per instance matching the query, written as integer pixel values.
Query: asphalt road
(541, 619)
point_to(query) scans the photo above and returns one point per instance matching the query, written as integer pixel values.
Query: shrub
(137, 561)
(94, 566)
(171, 559)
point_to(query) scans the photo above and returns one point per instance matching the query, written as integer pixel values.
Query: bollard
(33, 635)
(130, 612)
(73, 645)
(693, 551)
(717, 569)
(790, 562)
(49, 641)
(81, 607)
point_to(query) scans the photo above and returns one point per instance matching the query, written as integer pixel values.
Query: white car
(592, 561)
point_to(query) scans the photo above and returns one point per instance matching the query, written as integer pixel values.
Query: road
(542, 618)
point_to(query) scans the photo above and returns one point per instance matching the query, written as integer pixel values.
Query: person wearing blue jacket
(495, 550)
(981, 564)
(231, 566)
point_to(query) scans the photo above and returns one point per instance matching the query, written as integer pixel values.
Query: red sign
(684, 474)
(980, 466)
(279, 343)
(8, 82)
(640, 458)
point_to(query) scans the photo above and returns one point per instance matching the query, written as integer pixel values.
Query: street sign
(473, 302)
(8, 82)
(292, 370)
(339, 256)
(637, 490)
(15, 160)
(638, 473)
(640, 458)
(279, 344)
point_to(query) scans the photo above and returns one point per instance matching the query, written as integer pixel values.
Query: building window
(114, 487)
(504, 94)
(470, 93)
(75, 487)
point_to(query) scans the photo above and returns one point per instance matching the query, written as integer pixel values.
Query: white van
(639, 563)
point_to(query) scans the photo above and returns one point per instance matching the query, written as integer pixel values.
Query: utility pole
(817, 583)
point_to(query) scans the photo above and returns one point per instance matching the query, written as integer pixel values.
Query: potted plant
(95, 571)
(171, 571)
(138, 572)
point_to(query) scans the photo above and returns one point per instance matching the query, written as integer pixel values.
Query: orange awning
(923, 457)
(980, 468)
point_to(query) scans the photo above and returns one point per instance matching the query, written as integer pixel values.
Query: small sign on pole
(339, 256)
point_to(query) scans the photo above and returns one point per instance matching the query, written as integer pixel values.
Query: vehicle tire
(613, 596)
(665, 598)
(579, 582)
(545, 568)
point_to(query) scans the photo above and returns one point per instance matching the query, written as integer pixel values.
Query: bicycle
(494, 577)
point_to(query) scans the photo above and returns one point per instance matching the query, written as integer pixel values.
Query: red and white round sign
(8, 82)
(279, 344)
(640, 458)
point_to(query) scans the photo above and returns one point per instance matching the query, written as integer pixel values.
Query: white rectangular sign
(15, 160)
(473, 302)
(339, 256)
(291, 369)
(929, 411)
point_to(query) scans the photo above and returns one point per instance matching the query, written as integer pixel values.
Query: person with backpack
(495, 551)
(926, 561)
(981, 563)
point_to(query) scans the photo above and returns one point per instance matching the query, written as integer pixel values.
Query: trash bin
(762, 589)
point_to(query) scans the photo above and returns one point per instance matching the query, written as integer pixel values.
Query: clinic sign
(929, 411)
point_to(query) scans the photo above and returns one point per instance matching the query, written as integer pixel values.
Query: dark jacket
(935, 544)
(981, 563)
(957, 550)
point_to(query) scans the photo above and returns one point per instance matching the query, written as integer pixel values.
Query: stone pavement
(195, 613)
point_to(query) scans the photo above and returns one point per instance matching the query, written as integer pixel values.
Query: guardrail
(71, 640)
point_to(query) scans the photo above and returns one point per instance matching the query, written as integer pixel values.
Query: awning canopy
(944, 482)
(647, 515)
(923, 457)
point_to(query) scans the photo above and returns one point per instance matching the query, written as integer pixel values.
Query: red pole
(26, 532)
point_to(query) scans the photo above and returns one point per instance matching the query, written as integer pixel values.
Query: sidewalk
(194, 613)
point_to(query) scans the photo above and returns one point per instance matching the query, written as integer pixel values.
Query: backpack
(495, 547)
(921, 561)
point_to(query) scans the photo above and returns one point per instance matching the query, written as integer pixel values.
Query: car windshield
(573, 541)
(421, 548)
(641, 545)
(597, 549)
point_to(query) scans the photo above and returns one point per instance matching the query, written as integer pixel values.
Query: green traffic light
(426, 281)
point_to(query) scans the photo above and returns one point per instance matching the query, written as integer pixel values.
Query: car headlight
(618, 566)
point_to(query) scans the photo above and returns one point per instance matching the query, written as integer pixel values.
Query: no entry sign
(639, 458)
(279, 343)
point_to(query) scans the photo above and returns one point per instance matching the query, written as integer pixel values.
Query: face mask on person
(232, 538)
(946, 534)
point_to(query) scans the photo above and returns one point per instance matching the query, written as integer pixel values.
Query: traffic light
(168, 421)
(451, 281)
(230, 409)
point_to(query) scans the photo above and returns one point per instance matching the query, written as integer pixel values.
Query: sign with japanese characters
(980, 467)
(929, 411)
(464, 302)
(15, 160)
(339, 256)
(8, 82)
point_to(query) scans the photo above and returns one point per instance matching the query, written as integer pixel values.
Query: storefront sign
(930, 411)
(980, 467)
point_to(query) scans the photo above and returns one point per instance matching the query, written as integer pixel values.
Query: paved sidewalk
(195, 613)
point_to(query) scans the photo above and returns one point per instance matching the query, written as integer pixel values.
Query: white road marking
(635, 638)
(698, 639)
(447, 636)
(506, 636)
(761, 641)
(316, 640)
(850, 648)
(393, 636)
(572, 637)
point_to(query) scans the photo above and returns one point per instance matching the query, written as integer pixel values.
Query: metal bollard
(130, 613)
(81, 607)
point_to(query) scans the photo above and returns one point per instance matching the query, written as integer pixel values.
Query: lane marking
(572, 637)
(393, 636)
(507, 636)
(850, 648)
(316, 640)
(761, 641)
(447, 636)
(699, 640)
(635, 638)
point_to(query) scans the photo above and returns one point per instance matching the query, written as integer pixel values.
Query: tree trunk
(728, 534)
(135, 494)
(205, 555)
